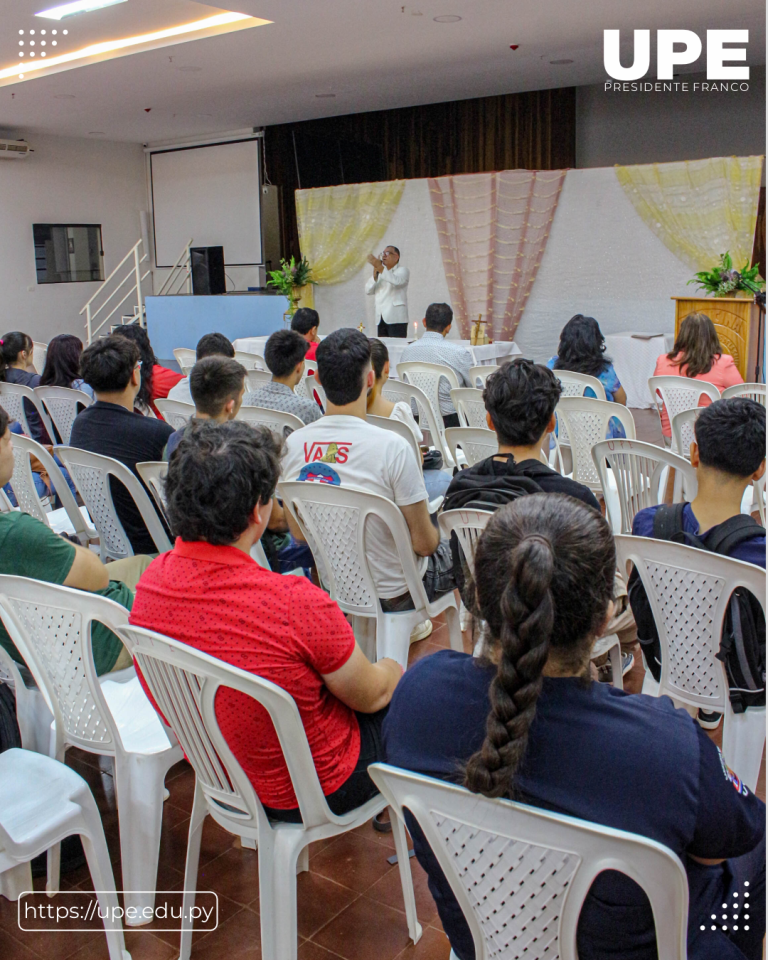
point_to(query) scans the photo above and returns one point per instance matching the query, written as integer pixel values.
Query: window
(68, 252)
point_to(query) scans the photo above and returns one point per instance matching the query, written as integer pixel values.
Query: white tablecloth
(489, 353)
(634, 360)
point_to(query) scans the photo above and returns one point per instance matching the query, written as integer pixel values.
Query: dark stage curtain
(532, 131)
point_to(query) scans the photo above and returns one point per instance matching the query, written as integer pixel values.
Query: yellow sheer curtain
(698, 208)
(340, 226)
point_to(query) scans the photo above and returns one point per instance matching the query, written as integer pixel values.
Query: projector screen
(210, 194)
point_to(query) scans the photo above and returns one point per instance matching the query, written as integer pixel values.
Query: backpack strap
(733, 531)
(668, 521)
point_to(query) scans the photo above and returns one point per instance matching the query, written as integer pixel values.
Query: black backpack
(742, 646)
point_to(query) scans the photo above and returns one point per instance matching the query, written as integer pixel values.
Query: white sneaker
(421, 631)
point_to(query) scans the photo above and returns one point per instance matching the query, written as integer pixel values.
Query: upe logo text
(675, 48)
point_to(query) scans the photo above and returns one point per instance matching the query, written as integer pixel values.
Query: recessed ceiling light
(189, 69)
(79, 6)
(446, 18)
(203, 116)
(64, 96)
(559, 63)
(96, 133)
(325, 96)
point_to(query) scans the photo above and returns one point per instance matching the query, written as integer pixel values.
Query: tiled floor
(349, 902)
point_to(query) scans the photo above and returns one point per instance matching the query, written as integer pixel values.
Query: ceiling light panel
(80, 6)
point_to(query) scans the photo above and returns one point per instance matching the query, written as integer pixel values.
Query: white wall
(65, 180)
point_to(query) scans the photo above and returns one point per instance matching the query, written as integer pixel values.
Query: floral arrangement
(723, 279)
(290, 276)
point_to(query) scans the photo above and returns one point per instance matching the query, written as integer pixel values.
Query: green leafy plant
(290, 276)
(723, 279)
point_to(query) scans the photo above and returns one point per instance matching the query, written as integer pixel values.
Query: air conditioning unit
(14, 149)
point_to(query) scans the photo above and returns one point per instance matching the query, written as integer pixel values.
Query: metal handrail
(182, 266)
(117, 306)
(90, 314)
(130, 252)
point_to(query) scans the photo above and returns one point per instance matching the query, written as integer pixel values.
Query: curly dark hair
(216, 476)
(544, 575)
(521, 398)
(582, 347)
(132, 331)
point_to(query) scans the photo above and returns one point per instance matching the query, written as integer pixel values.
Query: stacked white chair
(334, 521)
(41, 803)
(480, 373)
(12, 397)
(751, 391)
(176, 413)
(184, 683)
(473, 443)
(470, 407)
(51, 628)
(678, 394)
(429, 416)
(520, 874)
(63, 405)
(91, 474)
(278, 422)
(688, 590)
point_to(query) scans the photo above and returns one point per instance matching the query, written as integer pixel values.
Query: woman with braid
(525, 721)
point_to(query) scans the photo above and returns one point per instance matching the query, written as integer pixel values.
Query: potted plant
(289, 278)
(724, 281)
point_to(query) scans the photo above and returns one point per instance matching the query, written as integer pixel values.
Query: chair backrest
(310, 367)
(679, 393)
(278, 422)
(574, 385)
(470, 407)
(688, 590)
(251, 361)
(640, 471)
(153, 474)
(91, 473)
(176, 413)
(468, 526)
(429, 416)
(184, 683)
(51, 628)
(752, 391)
(401, 429)
(587, 423)
(12, 397)
(334, 520)
(427, 377)
(23, 486)
(312, 388)
(476, 444)
(480, 373)
(256, 378)
(39, 355)
(520, 874)
(683, 431)
(185, 358)
(63, 404)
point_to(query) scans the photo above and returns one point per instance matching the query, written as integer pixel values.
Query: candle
(415, 330)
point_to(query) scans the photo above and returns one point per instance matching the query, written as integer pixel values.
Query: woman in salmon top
(697, 354)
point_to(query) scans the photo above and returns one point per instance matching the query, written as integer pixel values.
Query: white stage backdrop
(600, 260)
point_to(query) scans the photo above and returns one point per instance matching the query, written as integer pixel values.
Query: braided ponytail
(544, 576)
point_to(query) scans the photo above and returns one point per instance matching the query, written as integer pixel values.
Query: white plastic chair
(251, 361)
(468, 526)
(278, 421)
(427, 377)
(63, 405)
(688, 590)
(429, 418)
(314, 389)
(186, 359)
(521, 874)
(51, 628)
(574, 385)
(256, 378)
(176, 413)
(475, 444)
(310, 367)
(683, 433)
(639, 473)
(334, 521)
(586, 421)
(28, 499)
(91, 474)
(401, 429)
(751, 391)
(153, 474)
(42, 802)
(481, 372)
(184, 683)
(39, 356)
(12, 397)
(678, 394)
(470, 407)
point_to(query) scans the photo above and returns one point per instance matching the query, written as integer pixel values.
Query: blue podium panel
(180, 321)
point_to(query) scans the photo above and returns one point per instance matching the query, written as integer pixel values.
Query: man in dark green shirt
(29, 548)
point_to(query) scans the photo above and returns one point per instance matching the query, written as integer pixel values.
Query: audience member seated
(697, 354)
(284, 355)
(217, 385)
(435, 480)
(342, 448)
(62, 364)
(525, 721)
(16, 355)
(582, 350)
(111, 427)
(210, 345)
(728, 454)
(156, 381)
(306, 321)
(207, 592)
(29, 548)
(434, 347)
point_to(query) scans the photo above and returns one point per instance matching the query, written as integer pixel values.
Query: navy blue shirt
(629, 762)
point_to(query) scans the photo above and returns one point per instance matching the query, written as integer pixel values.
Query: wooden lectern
(736, 322)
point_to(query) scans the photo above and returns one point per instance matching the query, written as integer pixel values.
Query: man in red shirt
(209, 593)
(306, 321)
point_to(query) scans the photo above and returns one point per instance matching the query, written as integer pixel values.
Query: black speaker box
(207, 270)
